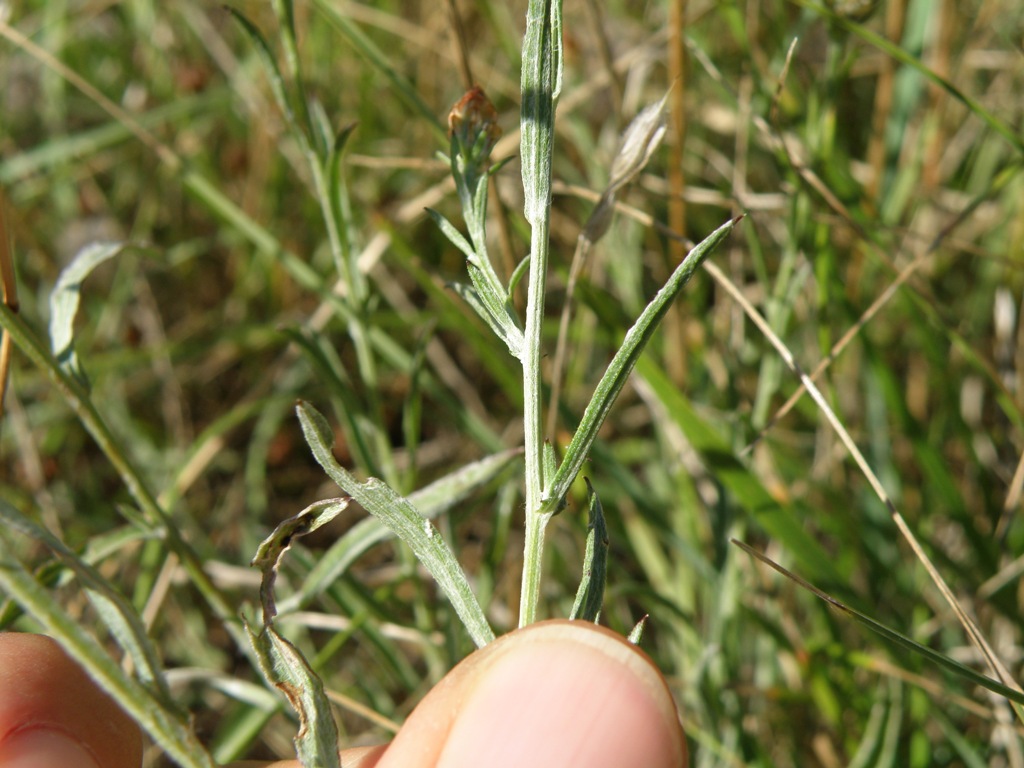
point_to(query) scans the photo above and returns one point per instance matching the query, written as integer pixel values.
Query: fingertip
(44, 748)
(554, 694)
(48, 704)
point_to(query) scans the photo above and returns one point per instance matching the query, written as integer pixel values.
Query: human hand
(554, 695)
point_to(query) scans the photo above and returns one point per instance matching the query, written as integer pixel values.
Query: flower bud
(473, 125)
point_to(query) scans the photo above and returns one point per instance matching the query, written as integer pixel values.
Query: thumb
(551, 695)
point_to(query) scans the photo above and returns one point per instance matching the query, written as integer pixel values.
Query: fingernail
(563, 697)
(42, 748)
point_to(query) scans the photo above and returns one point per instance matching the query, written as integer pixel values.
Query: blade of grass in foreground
(1014, 696)
(398, 514)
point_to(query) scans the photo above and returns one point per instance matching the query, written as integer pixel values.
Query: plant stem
(541, 80)
(532, 416)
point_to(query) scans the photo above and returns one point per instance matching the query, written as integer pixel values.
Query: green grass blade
(622, 364)
(273, 73)
(777, 519)
(1014, 696)
(901, 55)
(381, 60)
(398, 514)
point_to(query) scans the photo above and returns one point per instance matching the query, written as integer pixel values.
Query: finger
(554, 694)
(52, 715)
(358, 757)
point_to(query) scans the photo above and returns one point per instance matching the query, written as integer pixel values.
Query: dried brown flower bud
(473, 121)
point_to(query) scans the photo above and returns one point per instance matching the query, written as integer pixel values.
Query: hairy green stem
(541, 80)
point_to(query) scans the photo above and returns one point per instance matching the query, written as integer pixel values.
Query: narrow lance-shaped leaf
(541, 82)
(316, 743)
(494, 299)
(398, 514)
(622, 364)
(490, 299)
(450, 231)
(506, 331)
(591, 592)
(438, 497)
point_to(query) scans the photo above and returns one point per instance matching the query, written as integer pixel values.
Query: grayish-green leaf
(316, 743)
(450, 231)
(507, 331)
(486, 281)
(517, 275)
(622, 364)
(271, 550)
(64, 301)
(590, 594)
(541, 83)
(398, 514)
(282, 664)
(488, 298)
(438, 497)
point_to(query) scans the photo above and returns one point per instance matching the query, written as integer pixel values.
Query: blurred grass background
(885, 217)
